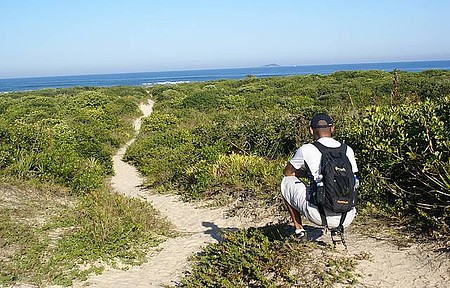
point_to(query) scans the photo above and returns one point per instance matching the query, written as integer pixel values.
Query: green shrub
(103, 228)
(202, 100)
(404, 155)
(267, 118)
(88, 176)
(157, 122)
(254, 258)
(65, 136)
(255, 176)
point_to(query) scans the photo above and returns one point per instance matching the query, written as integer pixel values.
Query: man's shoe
(300, 236)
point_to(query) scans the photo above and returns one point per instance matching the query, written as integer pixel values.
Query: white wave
(165, 83)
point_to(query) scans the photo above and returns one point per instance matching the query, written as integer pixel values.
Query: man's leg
(295, 216)
(294, 195)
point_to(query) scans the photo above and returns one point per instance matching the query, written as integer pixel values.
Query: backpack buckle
(337, 236)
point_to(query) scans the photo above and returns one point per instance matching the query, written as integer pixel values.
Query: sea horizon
(17, 84)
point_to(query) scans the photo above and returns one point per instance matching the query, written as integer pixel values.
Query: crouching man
(336, 209)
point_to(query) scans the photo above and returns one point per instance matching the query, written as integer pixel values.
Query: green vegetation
(103, 228)
(65, 136)
(265, 258)
(231, 139)
(226, 141)
(406, 161)
(58, 220)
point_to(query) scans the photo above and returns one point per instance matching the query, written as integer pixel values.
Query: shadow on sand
(279, 231)
(215, 231)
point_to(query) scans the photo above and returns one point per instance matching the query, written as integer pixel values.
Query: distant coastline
(184, 76)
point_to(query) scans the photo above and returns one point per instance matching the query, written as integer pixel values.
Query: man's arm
(289, 170)
(298, 160)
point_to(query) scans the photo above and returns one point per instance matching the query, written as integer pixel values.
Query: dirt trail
(394, 266)
(200, 227)
(389, 266)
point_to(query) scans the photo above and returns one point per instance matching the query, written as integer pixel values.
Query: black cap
(321, 120)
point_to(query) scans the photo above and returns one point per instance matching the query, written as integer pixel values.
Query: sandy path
(393, 266)
(389, 267)
(201, 227)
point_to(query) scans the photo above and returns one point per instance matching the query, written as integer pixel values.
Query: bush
(262, 121)
(65, 136)
(253, 176)
(404, 155)
(255, 258)
(102, 228)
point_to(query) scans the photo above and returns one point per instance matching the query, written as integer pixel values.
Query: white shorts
(294, 192)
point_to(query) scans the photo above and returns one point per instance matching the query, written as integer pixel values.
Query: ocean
(169, 77)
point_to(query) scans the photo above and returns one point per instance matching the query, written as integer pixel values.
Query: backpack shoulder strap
(322, 148)
(323, 216)
(343, 148)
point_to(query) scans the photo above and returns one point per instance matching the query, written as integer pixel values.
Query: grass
(267, 257)
(51, 238)
(47, 237)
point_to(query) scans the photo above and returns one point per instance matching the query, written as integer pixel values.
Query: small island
(272, 65)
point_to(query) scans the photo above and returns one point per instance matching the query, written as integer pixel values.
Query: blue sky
(67, 37)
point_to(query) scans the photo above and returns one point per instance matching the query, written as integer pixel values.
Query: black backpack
(336, 192)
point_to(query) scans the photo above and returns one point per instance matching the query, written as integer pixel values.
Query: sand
(389, 266)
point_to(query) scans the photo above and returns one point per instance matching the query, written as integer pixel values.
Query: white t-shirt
(311, 155)
(297, 197)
